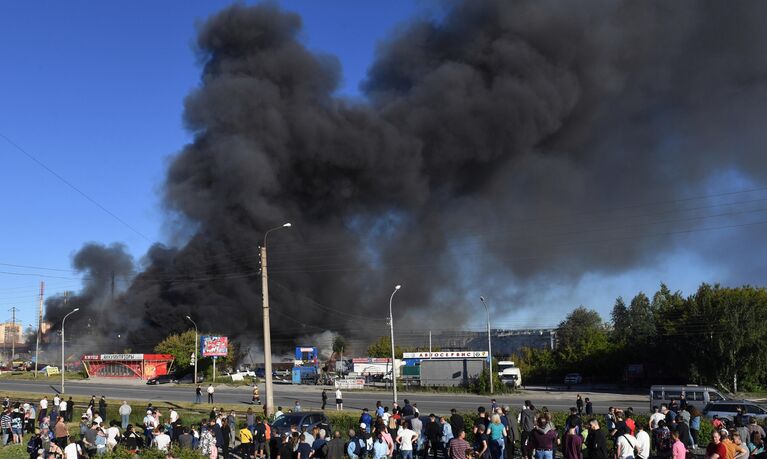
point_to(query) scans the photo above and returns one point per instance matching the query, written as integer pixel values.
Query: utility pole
(267, 335)
(489, 344)
(268, 386)
(393, 362)
(13, 334)
(39, 327)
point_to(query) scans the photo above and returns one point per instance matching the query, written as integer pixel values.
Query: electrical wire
(72, 186)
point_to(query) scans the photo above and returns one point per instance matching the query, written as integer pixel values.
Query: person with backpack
(357, 447)
(34, 444)
(73, 450)
(320, 446)
(259, 437)
(624, 444)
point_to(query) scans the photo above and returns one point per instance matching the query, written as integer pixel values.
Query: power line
(72, 186)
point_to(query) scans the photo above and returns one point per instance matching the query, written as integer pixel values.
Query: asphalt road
(309, 396)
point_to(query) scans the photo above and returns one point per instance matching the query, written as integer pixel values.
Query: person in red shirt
(630, 422)
(716, 449)
(717, 423)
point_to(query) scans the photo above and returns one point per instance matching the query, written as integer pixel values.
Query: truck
(306, 369)
(509, 374)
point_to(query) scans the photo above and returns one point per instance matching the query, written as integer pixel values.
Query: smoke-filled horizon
(506, 147)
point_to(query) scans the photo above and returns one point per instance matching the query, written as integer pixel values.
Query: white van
(697, 396)
(509, 373)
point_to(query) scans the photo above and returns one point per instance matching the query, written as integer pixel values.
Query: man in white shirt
(405, 439)
(210, 393)
(642, 442)
(63, 409)
(149, 425)
(56, 400)
(44, 407)
(125, 411)
(161, 440)
(173, 416)
(72, 451)
(339, 400)
(112, 435)
(656, 417)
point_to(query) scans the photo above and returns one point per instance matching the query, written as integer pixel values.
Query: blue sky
(95, 91)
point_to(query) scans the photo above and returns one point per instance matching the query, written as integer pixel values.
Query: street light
(195, 348)
(267, 327)
(391, 328)
(489, 343)
(62, 347)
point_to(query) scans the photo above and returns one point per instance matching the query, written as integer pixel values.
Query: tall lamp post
(391, 329)
(267, 327)
(196, 339)
(62, 347)
(489, 343)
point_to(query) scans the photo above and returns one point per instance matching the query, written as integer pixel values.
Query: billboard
(445, 355)
(114, 357)
(371, 360)
(214, 346)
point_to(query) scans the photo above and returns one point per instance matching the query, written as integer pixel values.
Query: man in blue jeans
(125, 411)
(407, 438)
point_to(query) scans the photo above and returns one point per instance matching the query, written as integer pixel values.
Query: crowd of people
(497, 432)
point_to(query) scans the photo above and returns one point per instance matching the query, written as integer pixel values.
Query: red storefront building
(138, 366)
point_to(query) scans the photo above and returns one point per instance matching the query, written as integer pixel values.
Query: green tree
(620, 318)
(578, 324)
(382, 348)
(727, 335)
(339, 344)
(642, 326)
(181, 346)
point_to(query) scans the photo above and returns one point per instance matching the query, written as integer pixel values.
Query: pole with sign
(214, 368)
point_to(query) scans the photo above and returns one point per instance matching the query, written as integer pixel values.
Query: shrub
(14, 452)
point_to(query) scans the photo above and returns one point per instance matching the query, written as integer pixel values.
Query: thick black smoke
(492, 142)
(104, 270)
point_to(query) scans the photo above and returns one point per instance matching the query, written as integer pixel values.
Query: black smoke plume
(505, 147)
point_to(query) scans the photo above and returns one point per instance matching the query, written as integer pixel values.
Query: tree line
(716, 336)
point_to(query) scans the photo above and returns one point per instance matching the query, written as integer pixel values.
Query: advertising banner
(350, 384)
(445, 355)
(214, 346)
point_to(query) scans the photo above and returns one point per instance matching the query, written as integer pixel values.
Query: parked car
(727, 409)
(162, 379)
(307, 419)
(573, 378)
(189, 379)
